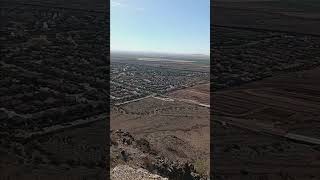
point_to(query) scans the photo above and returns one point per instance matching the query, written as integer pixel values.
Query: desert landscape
(54, 79)
(163, 116)
(265, 107)
(57, 80)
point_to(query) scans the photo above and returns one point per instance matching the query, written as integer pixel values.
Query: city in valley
(54, 96)
(160, 116)
(59, 86)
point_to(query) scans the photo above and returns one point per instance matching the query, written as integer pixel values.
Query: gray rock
(125, 172)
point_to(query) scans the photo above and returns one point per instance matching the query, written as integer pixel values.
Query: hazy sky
(172, 26)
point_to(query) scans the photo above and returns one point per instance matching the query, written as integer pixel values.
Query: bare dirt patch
(198, 94)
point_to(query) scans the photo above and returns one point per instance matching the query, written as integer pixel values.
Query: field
(197, 94)
(289, 102)
(199, 63)
(279, 15)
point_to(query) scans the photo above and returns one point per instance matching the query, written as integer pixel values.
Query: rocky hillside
(139, 153)
(125, 172)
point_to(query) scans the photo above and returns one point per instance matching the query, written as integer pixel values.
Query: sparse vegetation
(202, 167)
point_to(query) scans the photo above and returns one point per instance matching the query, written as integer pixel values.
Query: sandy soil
(198, 94)
(176, 129)
(252, 122)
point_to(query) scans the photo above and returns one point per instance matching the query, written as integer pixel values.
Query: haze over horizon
(157, 53)
(178, 27)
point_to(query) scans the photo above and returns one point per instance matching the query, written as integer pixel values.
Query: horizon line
(158, 52)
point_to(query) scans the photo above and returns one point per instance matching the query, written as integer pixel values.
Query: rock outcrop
(138, 153)
(125, 172)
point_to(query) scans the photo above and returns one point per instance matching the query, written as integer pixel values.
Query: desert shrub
(201, 167)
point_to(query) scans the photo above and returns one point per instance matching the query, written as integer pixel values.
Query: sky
(167, 26)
